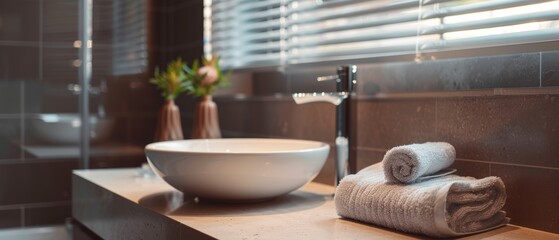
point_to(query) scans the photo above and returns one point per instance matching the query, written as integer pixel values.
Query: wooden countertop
(116, 203)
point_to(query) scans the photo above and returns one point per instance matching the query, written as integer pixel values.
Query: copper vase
(206, 122)
(169, 126)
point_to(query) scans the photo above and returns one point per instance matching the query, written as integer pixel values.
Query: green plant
(173, 81)
(202, 80)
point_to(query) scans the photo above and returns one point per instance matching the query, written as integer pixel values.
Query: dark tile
(513, 129)
(58, 100)
(10, 218)
(118, 131)
(60, 67)
(384, 124)
(132, 94)
(10, 138)
(20, 20)
(367, 157)
(472, 169)
(398, 77)
(102, 26)
(10, 97)
(327, 174)
(269, 83)
(55, 215)
(368, 82)
(170, 16)
(123, 160)
(304, 79)
(550, 69)
(521, 70)
(60, 21)
(233, 114)
(141, 130)
(33, 100)
(532, 195)
(36, 182)
(19, 63)
(313, 121)
(279, 118)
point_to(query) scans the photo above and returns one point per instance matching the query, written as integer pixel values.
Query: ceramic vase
(169, 126)
(206, 122)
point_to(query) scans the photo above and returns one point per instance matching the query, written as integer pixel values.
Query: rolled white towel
(447, 206)
(407, 163)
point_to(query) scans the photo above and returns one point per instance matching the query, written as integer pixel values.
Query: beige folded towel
(407, 163)
(447, 206)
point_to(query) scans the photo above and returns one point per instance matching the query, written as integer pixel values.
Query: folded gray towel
(447, 206)
(407, 163)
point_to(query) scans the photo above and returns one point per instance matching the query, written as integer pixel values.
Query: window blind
(129, 43)
(249, 33)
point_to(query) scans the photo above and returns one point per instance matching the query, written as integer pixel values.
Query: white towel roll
(407, 163)
(447, 206)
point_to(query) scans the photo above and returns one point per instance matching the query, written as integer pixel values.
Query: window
(129, 43)
(279, 32)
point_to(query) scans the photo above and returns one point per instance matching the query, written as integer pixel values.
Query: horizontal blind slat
(359, 38)
(493, 22)
(477, 7)
(494, 40)
(357, 25)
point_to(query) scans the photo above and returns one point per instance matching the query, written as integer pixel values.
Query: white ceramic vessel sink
(237, 169)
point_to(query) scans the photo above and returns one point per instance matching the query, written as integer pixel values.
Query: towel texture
(447, 206)
(407, 163)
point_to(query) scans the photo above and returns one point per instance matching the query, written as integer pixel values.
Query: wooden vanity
(119, 204)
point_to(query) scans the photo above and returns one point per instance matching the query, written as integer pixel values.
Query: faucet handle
(328, 78)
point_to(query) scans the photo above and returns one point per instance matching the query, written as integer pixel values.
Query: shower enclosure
(73, 94)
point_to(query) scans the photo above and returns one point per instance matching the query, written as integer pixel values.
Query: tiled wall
(33, 190)
(37, 62)
(500, 112)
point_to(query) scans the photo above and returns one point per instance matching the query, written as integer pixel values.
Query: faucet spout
(335, 98)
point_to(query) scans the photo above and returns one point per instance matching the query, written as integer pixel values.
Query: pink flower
(210, 74)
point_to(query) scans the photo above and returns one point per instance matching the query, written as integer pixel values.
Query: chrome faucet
(345, 81)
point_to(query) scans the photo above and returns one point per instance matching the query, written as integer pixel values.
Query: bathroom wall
(36, 56)
(501, 112)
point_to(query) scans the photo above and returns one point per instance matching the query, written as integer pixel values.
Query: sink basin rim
(317, 145)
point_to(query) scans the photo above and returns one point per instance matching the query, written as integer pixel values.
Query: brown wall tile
(10, 97)
(550, 69)
(327, 175)
(384, 124)
(19, 63)
(10, 218)
(532, 196)
(472, 169)
(20, 20)
(279, 118)
(367, 157)
(10, 138)
(55, 215)
(513, 129)
(122, 161)
(520, 70)
(304, 79)
(141, 130)
(35, 182)
(269, 83)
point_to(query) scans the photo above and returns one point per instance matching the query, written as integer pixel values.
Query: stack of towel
(392, 194)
